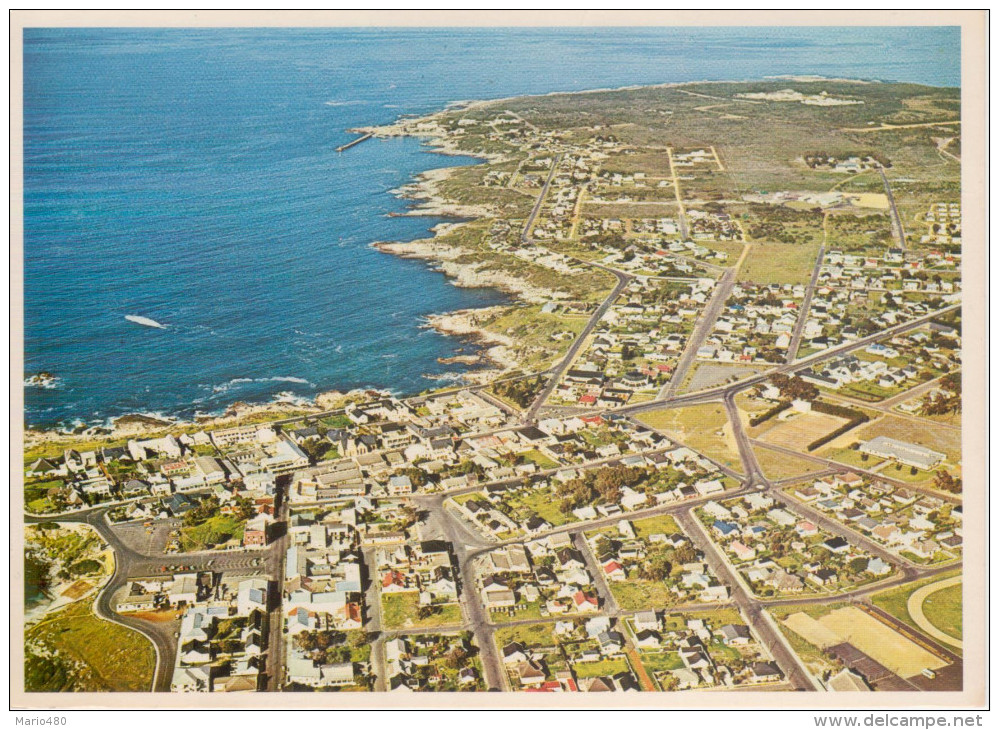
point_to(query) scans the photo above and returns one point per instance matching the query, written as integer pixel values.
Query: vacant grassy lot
(779, 263)
(781, 466)
(402, 611)
(850, 457)
(530, 635)
(714, 617)
(602, 668)
(522, 611)
(543, 462)
(83, 653)
(542, 503)
(661, 661)
(704, 428)
(635, 594)
(212, 532)
(657, 525)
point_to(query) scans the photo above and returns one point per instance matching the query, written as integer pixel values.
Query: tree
(306, 641)
(685, 554)
(793, 387)
(656, 567)
(857, 565)
(455, 659)
(337, 654)
(947, 482)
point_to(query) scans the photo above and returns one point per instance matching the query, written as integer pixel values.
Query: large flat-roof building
(903, 452)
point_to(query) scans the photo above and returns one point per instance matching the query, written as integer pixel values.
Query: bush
(85, 567)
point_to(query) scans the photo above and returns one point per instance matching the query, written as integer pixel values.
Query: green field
(602, 668)
(661, 661)
(777, 466)
(82, 653)
(543, 462)
(402, 611)
(634, 594)
(704, 428)
(542, 503)
(779, 263)
(715, 618)
(521, 612)
(895, 600)
(539, 634)
(211, 533)
(943, 609)
(659, 524)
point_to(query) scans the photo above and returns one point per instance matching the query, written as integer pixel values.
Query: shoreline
(429, 202)
(54, 598)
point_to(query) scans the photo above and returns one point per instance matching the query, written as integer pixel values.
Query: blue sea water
(190, 176)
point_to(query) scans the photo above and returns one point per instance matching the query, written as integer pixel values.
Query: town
(729, 457)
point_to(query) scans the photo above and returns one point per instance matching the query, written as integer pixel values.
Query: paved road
(130, 563)
(468, 545)
(570, 356)
(956, 498)
(799, 326)
(712, 394)
(440, 521)
(751, 609)
(705, 323)
(896, 220)
(525, 235)
(750, 465)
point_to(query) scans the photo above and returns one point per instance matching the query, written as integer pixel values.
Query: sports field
(800, 430)
(880, 642)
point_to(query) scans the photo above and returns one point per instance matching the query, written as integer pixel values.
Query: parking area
(235, 564)
(148, 538)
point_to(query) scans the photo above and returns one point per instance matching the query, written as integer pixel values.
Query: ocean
(191, 177)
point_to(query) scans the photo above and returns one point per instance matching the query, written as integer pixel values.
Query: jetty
(357, 141)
